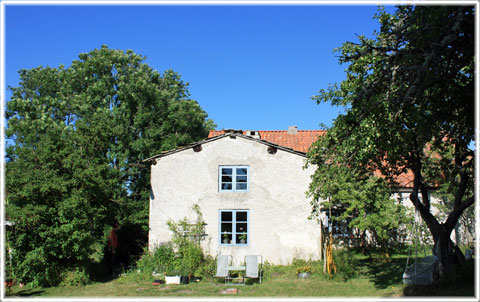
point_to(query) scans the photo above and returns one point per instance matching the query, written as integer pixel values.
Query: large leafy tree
(78, 134)
(360, 207)
(409, 106)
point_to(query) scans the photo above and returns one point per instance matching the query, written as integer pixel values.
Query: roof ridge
(287, 130)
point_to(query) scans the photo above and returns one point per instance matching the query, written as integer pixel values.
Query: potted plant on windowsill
(243, 238)
(304, 272)
(226, 240)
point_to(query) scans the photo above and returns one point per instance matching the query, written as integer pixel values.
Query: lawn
(375, 277)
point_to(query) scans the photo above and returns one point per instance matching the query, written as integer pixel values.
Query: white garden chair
(253, 267)
(222, 264)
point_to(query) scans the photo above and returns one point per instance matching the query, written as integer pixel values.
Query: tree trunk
(447, 253)
(443, 250)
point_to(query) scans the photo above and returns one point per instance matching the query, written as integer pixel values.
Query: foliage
(159, 261)
(184, 231)
(374, 279)
(304, 269)
(75, 277)
(362, 202)
(207, 268)
(409, 106)
(183, 255)
(189, 258)
(346, 265)
(77, 135)
(187, 237)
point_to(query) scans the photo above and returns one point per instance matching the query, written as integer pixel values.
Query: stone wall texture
(278, 207)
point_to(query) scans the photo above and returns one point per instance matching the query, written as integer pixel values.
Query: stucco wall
(278, 208)
(462, 234)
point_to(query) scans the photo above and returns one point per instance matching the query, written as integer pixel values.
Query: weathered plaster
(279, 209)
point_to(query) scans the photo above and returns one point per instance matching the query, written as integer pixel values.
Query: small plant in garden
(346, 264)
(304, 269)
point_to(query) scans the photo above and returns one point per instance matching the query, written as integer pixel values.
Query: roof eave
(169, 152)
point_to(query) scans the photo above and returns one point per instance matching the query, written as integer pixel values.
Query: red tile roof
(300, 141)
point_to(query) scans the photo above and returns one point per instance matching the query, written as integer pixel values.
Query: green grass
(375, 277)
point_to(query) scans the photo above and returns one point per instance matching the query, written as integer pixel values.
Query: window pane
(226, 178)
(241, 178)
(241, 171)
(241, 216)
(241, 237)
(226, 171)
(227, 216)
(241, 227)
(226, 238)
(226, 227)
(226, 186)
(241, 186)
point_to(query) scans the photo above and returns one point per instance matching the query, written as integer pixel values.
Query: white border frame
(231, 3)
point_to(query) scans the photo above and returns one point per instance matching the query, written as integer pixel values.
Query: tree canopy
(409, 106)
(76, 132)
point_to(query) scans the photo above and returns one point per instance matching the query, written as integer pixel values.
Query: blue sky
(249, 67)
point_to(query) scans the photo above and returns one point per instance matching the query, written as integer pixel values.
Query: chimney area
(253, 133)
(292, 130)
(233, 131)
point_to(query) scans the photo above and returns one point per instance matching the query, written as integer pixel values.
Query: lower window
(234, 227)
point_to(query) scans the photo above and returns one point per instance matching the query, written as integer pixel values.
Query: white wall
(279, 210)
(462, 234)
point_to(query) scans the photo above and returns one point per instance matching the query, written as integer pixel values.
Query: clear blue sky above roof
(250, 67)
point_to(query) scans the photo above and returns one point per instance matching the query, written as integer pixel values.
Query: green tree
(409, 105)
(364, 204)
(78, 134)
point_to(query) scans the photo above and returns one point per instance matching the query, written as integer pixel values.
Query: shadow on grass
(387, 273)
(460, 283)
(27, 293)
(384, 273)
(460, 290)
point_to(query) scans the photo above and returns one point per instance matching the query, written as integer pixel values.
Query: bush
(304, 269)
(207, 268)
(160, 260)
(183, 255)
(75, 277)
(345, 263)
(189, 258)
(299, 262)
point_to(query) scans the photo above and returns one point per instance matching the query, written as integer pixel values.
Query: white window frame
(234, 178)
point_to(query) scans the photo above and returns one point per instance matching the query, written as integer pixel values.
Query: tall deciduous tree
(362, 204)
(409, 99)
(76, 132)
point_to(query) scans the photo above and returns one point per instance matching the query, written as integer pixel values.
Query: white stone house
(249, 185)
(246, 186)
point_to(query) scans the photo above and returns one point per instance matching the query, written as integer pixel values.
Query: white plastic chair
(222, 263)
(253, 267)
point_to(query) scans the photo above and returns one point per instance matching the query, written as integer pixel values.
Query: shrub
(207, 268)
(304, 269)
(161, 259)
(183, 255)
(299, 262)
(189, 258)
(345, 263)
(75, 277)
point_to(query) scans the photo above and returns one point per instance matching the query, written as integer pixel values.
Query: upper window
(234, 178)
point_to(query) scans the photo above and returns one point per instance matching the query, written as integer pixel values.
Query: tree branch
(456, 213)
